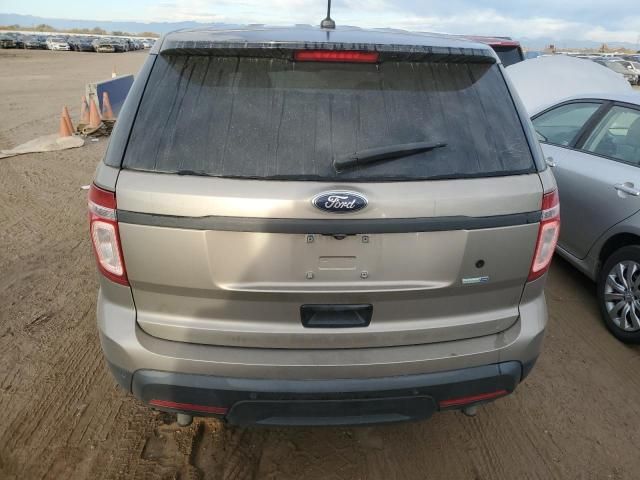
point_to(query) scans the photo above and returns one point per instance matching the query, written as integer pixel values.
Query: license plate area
(339, 256)
(272, 262)
(336, 316)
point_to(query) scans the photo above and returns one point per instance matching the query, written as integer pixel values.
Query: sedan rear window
(269, 118)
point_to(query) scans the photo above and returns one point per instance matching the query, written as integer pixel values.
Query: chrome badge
(475, 280)
(340, 202)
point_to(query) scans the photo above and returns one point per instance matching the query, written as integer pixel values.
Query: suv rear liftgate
(223, 244)
(295, 199)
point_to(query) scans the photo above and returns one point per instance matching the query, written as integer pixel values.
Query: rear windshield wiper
(196, 173)
(379, 154)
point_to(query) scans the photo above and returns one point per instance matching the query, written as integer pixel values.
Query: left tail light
(105, 235)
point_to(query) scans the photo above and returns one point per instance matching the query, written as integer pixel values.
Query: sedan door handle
(551, 162)
(627, 188)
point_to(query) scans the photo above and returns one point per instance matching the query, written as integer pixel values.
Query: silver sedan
(593, 145)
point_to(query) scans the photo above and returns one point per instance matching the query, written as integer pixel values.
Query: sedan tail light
(105, 236)
(548, 233)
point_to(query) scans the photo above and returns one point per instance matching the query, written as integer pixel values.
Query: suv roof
(342, 38)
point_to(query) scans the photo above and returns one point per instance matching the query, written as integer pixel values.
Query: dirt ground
(63, 416)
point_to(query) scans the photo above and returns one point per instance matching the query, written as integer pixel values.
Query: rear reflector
(346, 56)
(456, 402)
(105, 235)
(548, 234)
(188, 407)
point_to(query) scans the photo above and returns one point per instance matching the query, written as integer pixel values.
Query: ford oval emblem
(340, 202)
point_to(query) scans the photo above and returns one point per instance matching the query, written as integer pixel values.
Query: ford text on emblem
(340, 202)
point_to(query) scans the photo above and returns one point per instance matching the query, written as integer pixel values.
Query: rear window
(275, 119)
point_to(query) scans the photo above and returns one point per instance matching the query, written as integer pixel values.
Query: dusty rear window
(276, 119)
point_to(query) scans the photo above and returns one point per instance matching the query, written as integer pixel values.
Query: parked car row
(119, 44)
(11, 41)
(624, 68)
(76, 43)
(628, 65)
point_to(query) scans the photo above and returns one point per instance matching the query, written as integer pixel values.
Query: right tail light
(548, 233)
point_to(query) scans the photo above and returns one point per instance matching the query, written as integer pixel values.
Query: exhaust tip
(184, 420)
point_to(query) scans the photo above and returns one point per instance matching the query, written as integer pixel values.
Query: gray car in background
(593, 144)
(318, 226)
(621, 67)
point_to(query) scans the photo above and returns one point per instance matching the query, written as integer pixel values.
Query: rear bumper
(242, 401)
(241, 380)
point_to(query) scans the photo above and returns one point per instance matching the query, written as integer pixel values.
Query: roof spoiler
(286, 50)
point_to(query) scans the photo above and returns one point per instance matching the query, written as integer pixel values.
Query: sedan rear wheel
(619, 293)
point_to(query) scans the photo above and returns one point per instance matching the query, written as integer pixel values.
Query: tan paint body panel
(126, 345)
(245, 289)
(191, 196)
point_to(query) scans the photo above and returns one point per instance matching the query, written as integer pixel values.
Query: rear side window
(561, 125)
(275, 119)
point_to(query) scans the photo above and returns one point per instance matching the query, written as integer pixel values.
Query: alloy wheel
(622, 295)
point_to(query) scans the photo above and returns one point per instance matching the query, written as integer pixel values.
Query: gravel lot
(576, 416)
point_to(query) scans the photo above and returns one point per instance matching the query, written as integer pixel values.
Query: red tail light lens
(105, 236)
(188, 407)
(548, 233)
(346, 56)
(457, 402)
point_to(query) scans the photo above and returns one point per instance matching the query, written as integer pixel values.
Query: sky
(600, 21)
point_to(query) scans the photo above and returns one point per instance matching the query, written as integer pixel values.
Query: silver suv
(310, 226)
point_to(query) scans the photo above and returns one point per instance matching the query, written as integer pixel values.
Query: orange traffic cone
(94, 115)
(64, 130)
(67, 118)
(84, 111)
(107, 112)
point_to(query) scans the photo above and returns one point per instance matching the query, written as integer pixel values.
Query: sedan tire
(619, 293)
